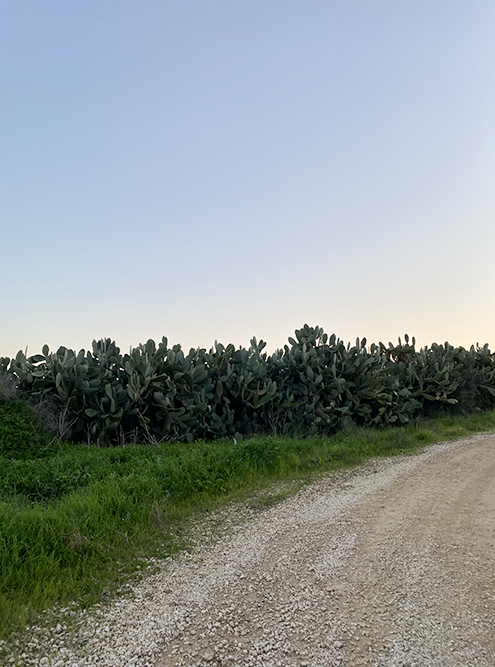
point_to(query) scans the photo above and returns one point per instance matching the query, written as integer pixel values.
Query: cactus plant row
(314, 384)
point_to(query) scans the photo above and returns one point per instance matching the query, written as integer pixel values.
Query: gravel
(390, 564)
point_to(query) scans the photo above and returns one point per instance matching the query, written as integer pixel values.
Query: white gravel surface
(391, 564)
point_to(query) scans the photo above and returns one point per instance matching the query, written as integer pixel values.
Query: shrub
(21, 432)
(158, 393)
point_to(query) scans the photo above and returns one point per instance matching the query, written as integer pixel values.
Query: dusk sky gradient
(220, 169)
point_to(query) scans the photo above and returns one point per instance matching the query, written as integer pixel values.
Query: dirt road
(393, 567)
(391, 564)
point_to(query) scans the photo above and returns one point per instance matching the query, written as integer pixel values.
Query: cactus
(312, 385)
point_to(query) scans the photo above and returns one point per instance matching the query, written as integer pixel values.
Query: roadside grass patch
(76, 521)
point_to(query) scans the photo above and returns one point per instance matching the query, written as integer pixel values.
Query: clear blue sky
(213, 169)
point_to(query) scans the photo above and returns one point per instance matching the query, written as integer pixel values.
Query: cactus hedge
(159, 393)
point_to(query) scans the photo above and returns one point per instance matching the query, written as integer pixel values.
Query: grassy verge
(74, 524)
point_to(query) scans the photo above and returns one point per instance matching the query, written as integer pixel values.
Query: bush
(158, 393)
(21, 432)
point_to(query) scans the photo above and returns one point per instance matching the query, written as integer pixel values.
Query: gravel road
(390, 564)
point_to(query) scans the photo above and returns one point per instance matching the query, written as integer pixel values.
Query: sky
(215, 170)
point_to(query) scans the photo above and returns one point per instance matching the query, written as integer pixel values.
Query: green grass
(22, 432)
(75, 522)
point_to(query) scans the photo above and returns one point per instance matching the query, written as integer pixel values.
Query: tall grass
(74, 523)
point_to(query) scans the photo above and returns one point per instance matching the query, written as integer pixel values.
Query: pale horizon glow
(217, 171)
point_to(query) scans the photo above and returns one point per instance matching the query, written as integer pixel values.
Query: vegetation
(76, 517)
(77, 520)
(157, 394)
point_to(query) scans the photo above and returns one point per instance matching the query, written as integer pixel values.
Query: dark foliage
(158, 393)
